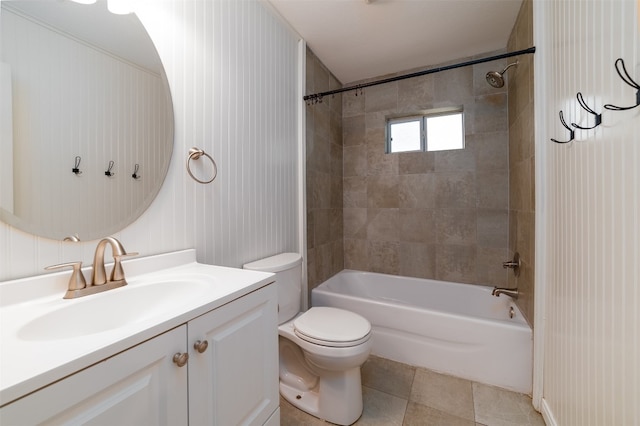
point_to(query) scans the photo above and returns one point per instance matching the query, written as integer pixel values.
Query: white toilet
(321, 350)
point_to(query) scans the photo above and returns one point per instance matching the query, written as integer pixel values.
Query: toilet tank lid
(277, 263)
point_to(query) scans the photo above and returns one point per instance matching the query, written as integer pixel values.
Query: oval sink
(110, 310)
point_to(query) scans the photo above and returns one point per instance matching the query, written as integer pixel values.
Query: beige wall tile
(455, 160)
(355, 191)
(355, 223)
(493, 189)
(522, 162)
(493, 228)
(455, 190)
(355, 160)
(384, 257)
(417, 191)
(456, 226)
(416, 93)
(324, 173)
(489, 266)
(415, 163)
(417, 225)
(382, 191)
(352, 104)
(456, 263)
(353, 130)
(356, 254)
(382, 224)
(417, 260)
(490, 113)
(381, 98)
(454, 86)
(491, 150)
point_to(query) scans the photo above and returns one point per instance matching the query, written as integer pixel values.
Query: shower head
(495, 79)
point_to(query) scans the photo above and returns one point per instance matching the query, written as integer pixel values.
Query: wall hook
(586, 107)
(135, 174)
(564, 123)
(76, 167)
(621, 69)
(109, 172)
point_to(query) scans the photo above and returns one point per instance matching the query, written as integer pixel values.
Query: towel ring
(195, 154)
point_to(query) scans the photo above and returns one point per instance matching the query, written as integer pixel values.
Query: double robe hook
(624, 75)
(572, 132)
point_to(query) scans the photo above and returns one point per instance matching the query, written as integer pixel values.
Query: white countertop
(27, 363)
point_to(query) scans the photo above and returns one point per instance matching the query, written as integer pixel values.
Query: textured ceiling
(358, 40)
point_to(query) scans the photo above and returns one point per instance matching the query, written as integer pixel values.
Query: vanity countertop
(35, 352)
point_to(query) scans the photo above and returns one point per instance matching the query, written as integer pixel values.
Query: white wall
(232, 71)
(590, 202)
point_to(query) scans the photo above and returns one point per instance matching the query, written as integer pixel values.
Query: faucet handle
(76, 281)
(117, 274)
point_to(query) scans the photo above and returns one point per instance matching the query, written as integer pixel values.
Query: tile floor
(402, 395)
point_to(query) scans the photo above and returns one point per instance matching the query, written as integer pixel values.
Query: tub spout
(511, 292)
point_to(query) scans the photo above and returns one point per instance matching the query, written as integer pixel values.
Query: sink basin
(111, 309)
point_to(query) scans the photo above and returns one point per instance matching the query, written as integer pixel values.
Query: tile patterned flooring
(402, 395)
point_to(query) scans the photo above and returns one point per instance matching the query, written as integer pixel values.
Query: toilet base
(336, 399)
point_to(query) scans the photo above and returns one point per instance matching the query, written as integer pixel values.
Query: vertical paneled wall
(325, 245)
(592, 211)
(232, 71)
(441, 215)
(522, 160)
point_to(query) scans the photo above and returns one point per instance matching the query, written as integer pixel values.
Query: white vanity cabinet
(140, 386)
(233, 381)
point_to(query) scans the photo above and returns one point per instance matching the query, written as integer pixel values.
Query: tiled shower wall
(325, 247)
(441, 215)
(522, 160)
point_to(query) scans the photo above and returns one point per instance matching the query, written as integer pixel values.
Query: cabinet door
(235, 380)
(141, 386)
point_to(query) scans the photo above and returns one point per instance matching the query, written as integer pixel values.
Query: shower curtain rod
(317, 97)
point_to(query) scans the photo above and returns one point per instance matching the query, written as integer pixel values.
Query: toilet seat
(332, 327)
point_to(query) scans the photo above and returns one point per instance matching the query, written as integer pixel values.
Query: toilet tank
(288, 270)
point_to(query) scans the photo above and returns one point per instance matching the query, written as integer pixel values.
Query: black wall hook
(624, 75)
(586, 107)
(572, 132)
(76, 167)
(135, 174)
(109, 172)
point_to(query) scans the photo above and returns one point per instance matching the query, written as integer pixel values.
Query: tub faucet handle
(513, 264)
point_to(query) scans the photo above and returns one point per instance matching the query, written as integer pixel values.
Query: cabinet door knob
(181, 359)
(201, 346)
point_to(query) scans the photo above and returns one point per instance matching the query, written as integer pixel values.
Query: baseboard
(547, 415)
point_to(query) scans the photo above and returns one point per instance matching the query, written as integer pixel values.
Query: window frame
(422, 117)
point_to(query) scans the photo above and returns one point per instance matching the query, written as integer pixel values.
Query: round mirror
(86, 119)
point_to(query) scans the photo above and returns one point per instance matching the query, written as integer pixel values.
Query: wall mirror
(86, 119)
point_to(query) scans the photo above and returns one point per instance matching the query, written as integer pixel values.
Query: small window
(435, 131)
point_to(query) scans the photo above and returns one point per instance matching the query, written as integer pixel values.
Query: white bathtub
(458, 329)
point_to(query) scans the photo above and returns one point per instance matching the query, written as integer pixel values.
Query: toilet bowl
(321, 350)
